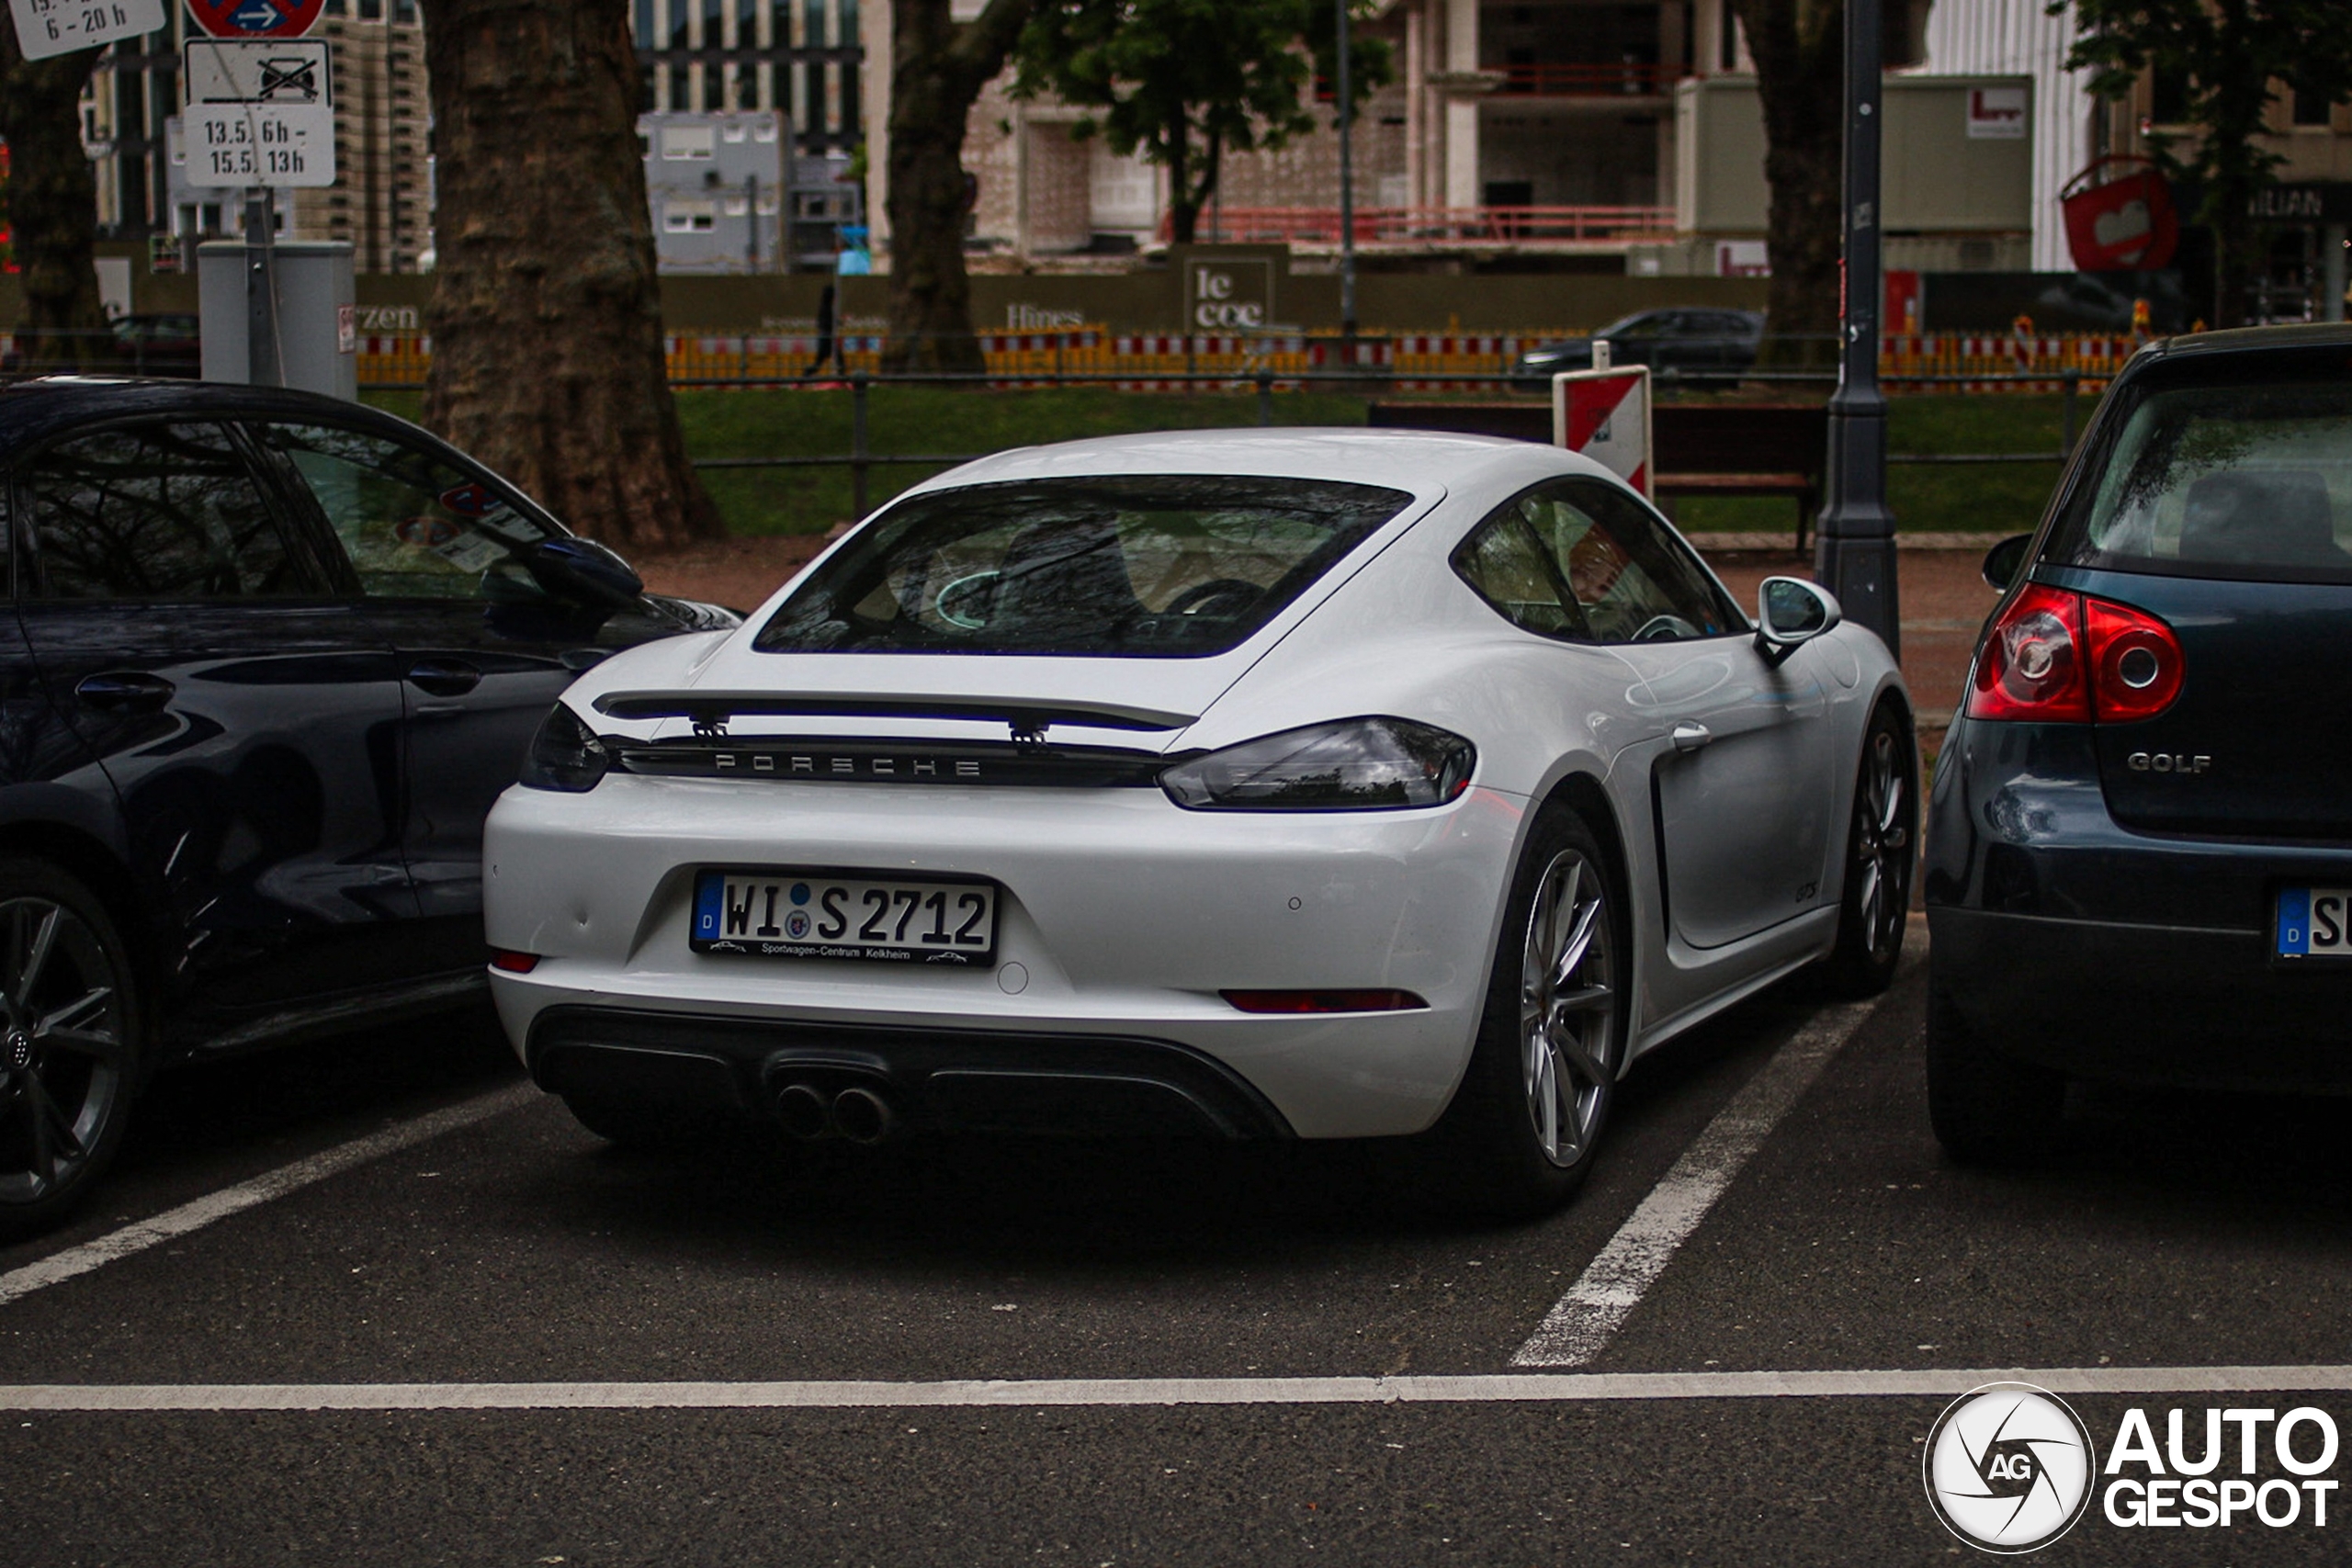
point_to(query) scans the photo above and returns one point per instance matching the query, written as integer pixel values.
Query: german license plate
(813, 915)
(2315, 922)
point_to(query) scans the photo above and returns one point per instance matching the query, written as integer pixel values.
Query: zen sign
(60, 27)
(259, 114)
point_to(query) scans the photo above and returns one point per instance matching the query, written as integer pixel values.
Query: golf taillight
(2136, 663)
(2060, 657)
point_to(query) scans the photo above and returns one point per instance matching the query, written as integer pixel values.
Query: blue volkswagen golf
(2139, 855)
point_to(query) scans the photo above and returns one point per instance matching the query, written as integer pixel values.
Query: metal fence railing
(861, 459)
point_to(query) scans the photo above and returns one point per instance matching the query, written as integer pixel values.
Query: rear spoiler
(711, 710)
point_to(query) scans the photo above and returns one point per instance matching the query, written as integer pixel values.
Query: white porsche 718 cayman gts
(1244, 784)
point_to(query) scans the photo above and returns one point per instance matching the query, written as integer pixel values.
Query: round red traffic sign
(255, 19)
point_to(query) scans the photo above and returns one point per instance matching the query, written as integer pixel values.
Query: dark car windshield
(1181, 565)
(2239, 470)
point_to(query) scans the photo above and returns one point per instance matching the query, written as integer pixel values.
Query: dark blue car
(2139, 856)
(268, 660)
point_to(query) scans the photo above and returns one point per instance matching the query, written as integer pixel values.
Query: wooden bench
(1700, 449)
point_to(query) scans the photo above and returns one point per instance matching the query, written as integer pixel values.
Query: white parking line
(1494, 1389)
(1581, 1323)
(19, 1283)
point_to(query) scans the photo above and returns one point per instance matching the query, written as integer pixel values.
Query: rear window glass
(2222, 481)
(1181, 565)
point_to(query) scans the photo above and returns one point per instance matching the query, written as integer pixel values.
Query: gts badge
(2167, 762)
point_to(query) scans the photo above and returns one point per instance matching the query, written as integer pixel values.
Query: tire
(1522, 1133)
(70, 1043)
(1881, 850)
(1986, 1109)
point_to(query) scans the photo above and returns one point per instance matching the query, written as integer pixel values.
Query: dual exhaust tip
(858, 1114)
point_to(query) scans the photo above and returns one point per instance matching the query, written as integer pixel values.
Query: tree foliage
(2232, 60)
(1187, 80)
(52, 204)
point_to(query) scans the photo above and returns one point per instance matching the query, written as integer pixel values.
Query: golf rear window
(2229, 471)
(1172, 566)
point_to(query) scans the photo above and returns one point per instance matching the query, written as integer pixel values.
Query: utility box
(1955, 155)
(318, 338)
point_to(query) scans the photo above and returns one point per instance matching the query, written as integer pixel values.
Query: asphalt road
(514, 1248)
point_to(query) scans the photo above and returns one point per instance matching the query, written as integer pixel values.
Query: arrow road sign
(259, 113)
(254, 18)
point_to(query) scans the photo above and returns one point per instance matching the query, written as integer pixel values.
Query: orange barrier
(1412, 362)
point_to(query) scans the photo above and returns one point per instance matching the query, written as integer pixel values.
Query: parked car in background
(161, 344)
(2139, 856)
(165, 343)
(270, 659)
(1688, 341)
(1236, 783)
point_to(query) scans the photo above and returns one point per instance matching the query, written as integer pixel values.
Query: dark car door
(435, 547)
(247, 718)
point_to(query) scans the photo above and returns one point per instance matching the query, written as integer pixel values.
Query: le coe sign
(1228, 296)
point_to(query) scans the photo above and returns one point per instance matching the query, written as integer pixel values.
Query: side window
(157, 512)
(1624, 580)
(1509, 568)
(415, 525)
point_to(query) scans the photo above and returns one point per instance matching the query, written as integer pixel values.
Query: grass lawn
(1994, 499)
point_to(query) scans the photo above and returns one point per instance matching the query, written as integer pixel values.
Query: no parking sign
(1605, 415)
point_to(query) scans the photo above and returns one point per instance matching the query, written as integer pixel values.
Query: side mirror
(1789, 611)
(2005, 562)
(584, 572)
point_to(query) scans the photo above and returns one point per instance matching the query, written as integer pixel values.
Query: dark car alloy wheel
(1881, 842)
(66, 1057)
(1567, 1008)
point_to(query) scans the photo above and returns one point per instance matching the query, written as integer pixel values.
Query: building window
(2312, 107)
(2168, 95)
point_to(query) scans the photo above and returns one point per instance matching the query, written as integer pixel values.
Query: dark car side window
(415, 526)
(1583, 561)
(167, 511)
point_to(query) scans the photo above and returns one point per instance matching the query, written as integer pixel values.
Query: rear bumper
(935, 1079)
(2068, 941)
(2154, 1004)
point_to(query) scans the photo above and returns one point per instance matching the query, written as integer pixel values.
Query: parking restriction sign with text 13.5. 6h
(258, 114)
(60, 27)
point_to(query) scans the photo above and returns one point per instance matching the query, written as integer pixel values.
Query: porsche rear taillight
(2060, 657)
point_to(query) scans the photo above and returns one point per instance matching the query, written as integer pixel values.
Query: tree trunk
(1799, 47)
(52, 207)
(937, 69)
(546, 315)
(1184, 212)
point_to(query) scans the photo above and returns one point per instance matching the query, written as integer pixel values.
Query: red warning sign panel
(1605, 415)
(255, 19)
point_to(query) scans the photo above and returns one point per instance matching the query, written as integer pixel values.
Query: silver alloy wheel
(1883, 846)
(1568, 1007)
(62, 1058)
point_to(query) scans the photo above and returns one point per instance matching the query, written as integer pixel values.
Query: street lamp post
(1854, 555)
(1347, 192)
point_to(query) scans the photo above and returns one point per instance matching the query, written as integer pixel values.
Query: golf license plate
(784, 914)
(2315, 922)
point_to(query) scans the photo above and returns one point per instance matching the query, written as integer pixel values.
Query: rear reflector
(1324, 1001)
(513, 963)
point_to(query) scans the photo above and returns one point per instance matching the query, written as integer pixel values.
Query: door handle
(444, 677)
(1689, 735)
(124, 691)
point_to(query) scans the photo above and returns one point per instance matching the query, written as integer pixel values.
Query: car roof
(1420, 461)
(2242, 339)
(34, 409)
